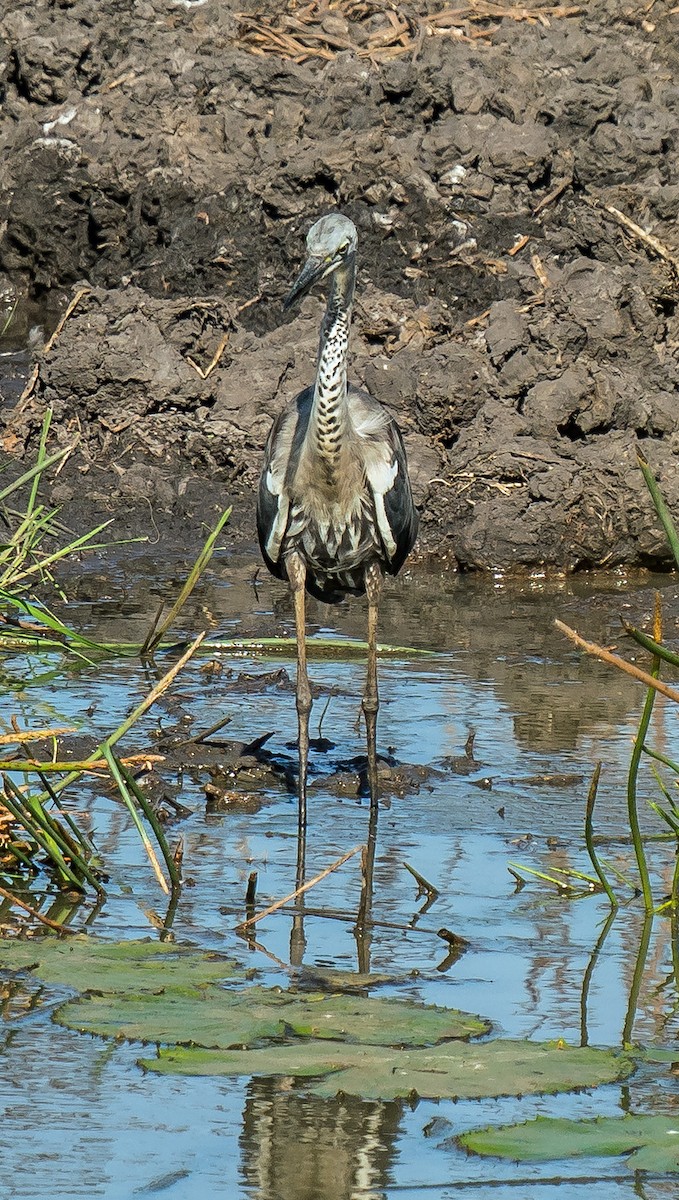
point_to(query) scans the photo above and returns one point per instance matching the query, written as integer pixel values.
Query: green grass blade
(557, 883)
(43, 564)
(589, 838)
(653, 647)
(669, 820)
(42, 615)
(16, 803)
(121, 784)
(87, 847)
(42, 455)
(660, 507)
(622, 878)
(58, 838)
(153, 821)
(637, 977)
(666, 762)
(37, 469)
(632, 811)
(160, 629)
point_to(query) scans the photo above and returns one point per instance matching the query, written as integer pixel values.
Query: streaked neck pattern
(329, 415)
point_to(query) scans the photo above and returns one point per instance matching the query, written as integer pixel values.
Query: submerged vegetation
(575, 883)
(36, 830)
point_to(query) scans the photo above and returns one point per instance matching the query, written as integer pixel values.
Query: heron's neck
(329, 415)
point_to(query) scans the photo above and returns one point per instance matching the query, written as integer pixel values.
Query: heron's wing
(386, 470)
(272, 499)
(402, 516)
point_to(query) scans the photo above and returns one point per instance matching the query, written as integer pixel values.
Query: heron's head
(330, 242)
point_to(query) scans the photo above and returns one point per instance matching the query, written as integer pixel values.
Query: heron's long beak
(313, 270)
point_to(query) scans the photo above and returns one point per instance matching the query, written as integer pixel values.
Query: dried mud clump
(513, 176)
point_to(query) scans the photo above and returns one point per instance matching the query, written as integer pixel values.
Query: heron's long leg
(371, 700)
(297, 575)
(363, 927)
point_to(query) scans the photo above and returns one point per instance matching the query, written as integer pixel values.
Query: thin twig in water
(207, 733)
(615, 661)
(33, 912)
(300, 890)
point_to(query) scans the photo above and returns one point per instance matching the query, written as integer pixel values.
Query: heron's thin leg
(371, 700)
(297, 575)
(363, 927)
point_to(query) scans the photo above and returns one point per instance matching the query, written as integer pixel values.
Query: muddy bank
(523, 335)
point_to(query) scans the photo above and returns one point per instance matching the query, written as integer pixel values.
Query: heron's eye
(343, 248)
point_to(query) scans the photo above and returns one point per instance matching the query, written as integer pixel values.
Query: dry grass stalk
(33, 378)
(651, 242)
(607, 656)
(301, 34)
(33, 912)
(32, 735)
(300, 890)
(93, 765)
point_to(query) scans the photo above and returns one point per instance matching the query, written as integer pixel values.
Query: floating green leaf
(255, 1015)
(135, 966)
(377, 1048)
(652, 1142)
(453, 1070)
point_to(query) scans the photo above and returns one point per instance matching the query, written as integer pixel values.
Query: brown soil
(526, 338)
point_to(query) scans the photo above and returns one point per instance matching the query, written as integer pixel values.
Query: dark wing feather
(399, 507)
(281, 455)
(268, 502)
(386, 467)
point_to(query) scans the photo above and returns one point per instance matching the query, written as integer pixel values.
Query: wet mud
(514, 182)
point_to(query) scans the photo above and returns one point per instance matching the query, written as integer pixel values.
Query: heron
(335, 509)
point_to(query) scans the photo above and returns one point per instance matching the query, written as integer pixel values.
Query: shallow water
(80, 1118)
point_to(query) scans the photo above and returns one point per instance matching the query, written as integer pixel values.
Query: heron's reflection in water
(298, 1147)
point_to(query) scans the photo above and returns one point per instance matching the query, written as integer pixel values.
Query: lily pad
(451, 1071)
(650, 1142)
(254, 1015)
(135, 966)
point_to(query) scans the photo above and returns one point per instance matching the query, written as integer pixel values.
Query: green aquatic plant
(648, 1143)
(256, 1015)
(29, 551)
(72, 859)
(47, 834)
(136, 966)
(454, 1070)
(654, 685)
(207, 1021)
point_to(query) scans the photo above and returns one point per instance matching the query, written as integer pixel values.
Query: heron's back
(342, 519)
